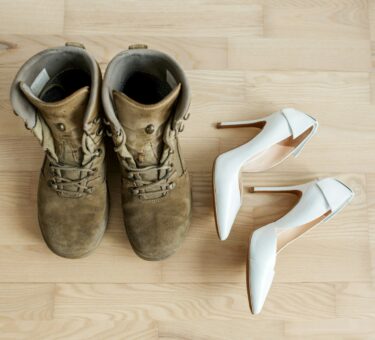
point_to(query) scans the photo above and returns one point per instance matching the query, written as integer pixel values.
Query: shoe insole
(289, 235)
(269, 157)
(64, 84)
(146, 88)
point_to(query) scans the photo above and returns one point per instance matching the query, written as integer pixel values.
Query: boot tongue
(65, 120)
(144, 125)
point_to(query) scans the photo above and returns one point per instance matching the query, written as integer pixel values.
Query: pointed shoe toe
(261, 262)
(261, 278)
(227, 196)
(225, 217)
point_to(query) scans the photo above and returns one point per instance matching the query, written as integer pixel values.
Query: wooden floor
(244, 59)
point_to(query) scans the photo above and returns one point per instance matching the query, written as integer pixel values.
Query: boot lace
(68, 187)
(143, 187)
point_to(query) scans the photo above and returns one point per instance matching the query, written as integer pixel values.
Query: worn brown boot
(146, 97)
(57, 93)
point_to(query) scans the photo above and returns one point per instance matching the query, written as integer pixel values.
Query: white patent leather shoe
(282, 134)
(319, 201)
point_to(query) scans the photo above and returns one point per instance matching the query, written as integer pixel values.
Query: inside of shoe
(64, 83)
(146, 88)
(145, 77)
(289, 235)
(56, 76)
(47, 68)
(276, 153)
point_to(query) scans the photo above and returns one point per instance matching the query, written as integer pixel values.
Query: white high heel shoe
(319, 201)
(282, 134)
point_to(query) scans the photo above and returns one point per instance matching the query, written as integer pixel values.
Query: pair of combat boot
(145, 96)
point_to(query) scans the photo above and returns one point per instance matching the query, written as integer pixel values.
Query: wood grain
(164, 18)
(244, 59)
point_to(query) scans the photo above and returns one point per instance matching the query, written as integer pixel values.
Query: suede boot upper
(56, 92)
(146, 97)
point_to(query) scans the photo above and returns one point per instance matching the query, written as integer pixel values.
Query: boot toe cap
(71, 241)
(162, 241)
(156, 228)
(72, 227)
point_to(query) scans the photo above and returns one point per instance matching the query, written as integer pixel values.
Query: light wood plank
(32, 16)
(313, 19)
(221, 330)
(337, 328)
(191, 52)
(112, 262)
(371, 16)
(78, 328)
(302, 86)
(190, 302)
(298, 54)
(370, 181)
(355, 299)
(26, 302)
(164, 18)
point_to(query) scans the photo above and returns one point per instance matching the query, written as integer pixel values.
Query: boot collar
(38, 65)
(36, 70)
(133, 58)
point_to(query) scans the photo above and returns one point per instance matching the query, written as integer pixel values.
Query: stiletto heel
(319, 201)
(282, 134)
(244, 123)
(286, 189)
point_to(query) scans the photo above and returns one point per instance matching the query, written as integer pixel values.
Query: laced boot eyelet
(134, 191)
(60, 126)
(171, 185)
(52, 184)
(88, 190)
(150, 129)
(97, 152)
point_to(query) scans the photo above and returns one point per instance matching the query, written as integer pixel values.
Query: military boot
(146, 97)
(57, 93)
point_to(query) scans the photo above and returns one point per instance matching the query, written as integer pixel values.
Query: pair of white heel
(282, 134)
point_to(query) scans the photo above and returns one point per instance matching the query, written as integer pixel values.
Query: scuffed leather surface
(156, 228)
(72, 227)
